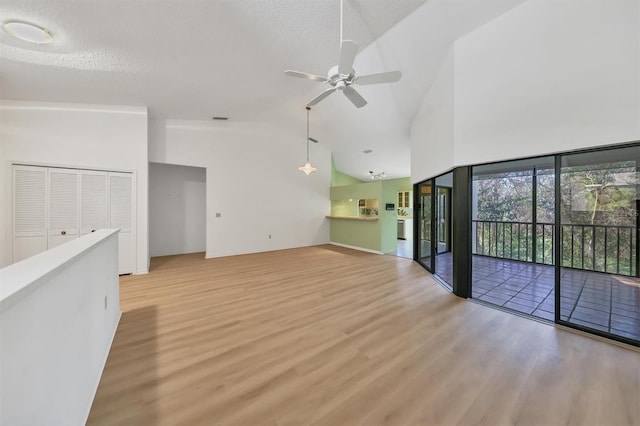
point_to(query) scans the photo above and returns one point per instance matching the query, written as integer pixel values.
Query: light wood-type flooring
(327, 335)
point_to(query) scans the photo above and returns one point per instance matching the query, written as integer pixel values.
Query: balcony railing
(601, 248)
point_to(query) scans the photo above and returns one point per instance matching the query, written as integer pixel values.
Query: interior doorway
(177, 209)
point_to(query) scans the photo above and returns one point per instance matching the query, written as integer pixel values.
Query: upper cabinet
(404, 199)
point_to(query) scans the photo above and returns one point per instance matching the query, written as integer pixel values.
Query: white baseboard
(356, 248)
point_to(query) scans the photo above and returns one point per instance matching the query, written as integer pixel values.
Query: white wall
(80, 136)
(252, 181)
(547, 76)
(56, 331)
(5, 254)
(177, 209)
(432, 133)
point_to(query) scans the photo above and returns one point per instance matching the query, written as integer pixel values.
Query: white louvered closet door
(93, 201)
(121, 216)
(64, 206)
(29, 211)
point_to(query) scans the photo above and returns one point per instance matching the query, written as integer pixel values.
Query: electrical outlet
(105, 303)
(218, 215)
(269, 236)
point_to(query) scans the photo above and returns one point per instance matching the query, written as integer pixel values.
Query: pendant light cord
(308, 109)
(341, 21)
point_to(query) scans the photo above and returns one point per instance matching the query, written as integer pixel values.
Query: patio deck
(609, 303)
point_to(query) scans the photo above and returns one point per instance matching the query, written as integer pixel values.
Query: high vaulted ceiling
(194, 59)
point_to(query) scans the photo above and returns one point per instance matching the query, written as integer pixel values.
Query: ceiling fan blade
(348, 52)
(354, 96)
(383, 77)
(305, 75)
(321, 96)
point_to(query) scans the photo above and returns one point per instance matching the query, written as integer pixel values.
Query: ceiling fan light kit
(342, 77)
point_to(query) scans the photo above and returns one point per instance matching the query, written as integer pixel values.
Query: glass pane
(444, 255)
(424, 223)
(545, 215)
(599, 285)
(512, 231)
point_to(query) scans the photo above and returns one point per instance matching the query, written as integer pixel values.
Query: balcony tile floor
(609, 303)
(444, 267)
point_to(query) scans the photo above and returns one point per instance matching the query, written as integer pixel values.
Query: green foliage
(597, 208)
(505, 198)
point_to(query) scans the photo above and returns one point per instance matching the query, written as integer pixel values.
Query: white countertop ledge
(22, 278)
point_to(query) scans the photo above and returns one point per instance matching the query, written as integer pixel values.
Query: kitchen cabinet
(404, 199)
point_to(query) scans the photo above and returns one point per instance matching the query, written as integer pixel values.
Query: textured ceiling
(191, 60)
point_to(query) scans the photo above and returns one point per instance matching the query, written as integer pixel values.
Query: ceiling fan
(342, 77)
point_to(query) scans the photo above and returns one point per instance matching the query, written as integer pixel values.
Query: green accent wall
(357, 191)
(344, 202)
(340, 179)
(356, 233)
(380, 235)
(389, 218)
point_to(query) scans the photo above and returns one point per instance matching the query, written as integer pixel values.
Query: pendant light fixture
(307, 168)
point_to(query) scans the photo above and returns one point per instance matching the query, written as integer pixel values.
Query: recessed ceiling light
(28, 32)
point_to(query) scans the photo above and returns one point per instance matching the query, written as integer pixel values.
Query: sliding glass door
(443, 228)
(512, 235)
(598, 256)
(425, 242)
(555, 237)
(444, 219)
(433, 245)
